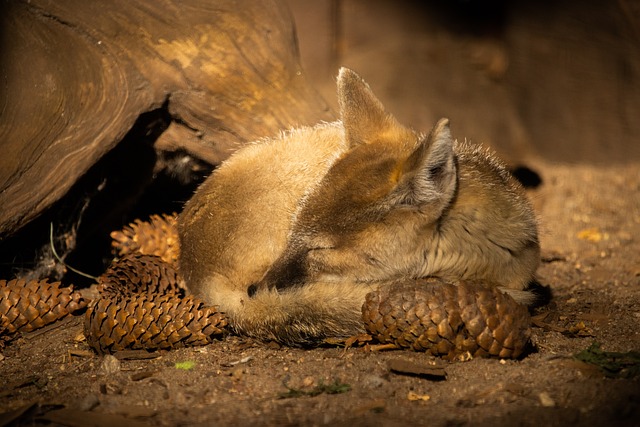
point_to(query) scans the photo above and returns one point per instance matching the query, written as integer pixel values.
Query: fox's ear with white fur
(429, 175)
(362, 114)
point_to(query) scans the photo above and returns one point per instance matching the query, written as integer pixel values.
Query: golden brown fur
(238, 221)
(290, 234)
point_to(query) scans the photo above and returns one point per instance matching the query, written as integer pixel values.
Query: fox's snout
(287, 272)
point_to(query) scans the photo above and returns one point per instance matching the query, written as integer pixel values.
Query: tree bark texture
(75, 76)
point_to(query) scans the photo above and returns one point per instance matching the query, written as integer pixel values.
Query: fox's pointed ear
(429, 175)
(362, 114)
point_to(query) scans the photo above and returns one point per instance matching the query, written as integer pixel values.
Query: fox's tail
(303, 315)
(534, 295)
(307, 314)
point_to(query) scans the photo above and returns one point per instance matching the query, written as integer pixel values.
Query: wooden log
(77, 74)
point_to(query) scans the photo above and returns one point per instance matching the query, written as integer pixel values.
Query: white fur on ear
(441, 142)
(361, 112)
(440, 159)
(354, 94)
(430, 174)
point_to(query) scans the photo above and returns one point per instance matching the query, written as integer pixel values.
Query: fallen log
(78, 75)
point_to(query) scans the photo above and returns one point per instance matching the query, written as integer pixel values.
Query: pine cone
(448, 320)
(158, 236)
(151, 322)
(135, 273)
(142, 306)
(25, 306)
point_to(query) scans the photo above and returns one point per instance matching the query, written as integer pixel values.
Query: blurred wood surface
(77, 74)
(557, 81)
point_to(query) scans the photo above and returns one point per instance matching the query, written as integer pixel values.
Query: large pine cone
(158, 236)
(25, 306)
(142, 306)
(136, 273)
(448, 320)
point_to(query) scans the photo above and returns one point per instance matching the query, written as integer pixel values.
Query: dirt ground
(589, 210)
(590, 260)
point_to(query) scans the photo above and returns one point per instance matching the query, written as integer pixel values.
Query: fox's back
(238, 221)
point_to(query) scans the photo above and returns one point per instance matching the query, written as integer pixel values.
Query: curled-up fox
(290, 233)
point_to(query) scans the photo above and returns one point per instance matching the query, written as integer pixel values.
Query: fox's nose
(252, 289)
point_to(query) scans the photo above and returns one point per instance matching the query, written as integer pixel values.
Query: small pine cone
(448, 320)
(158, 236)
(136, 273)
(151, 322)
(143, 306)
(25, 306)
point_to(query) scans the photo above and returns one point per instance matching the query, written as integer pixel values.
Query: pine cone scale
(26, 306)
(447, 319)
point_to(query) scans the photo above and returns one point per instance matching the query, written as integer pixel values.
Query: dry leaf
(591, 235)
(414, 396)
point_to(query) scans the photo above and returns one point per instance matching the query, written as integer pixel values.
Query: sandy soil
(589, 236)
(590, 230)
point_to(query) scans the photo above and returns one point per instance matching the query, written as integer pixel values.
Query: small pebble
(373, 381)
(110, 365)
(546, 400)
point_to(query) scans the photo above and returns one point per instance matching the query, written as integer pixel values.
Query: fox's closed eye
(317, 253)
(322, 248)
(320, 242)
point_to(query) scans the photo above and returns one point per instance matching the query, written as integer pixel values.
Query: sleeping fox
(289, 234)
